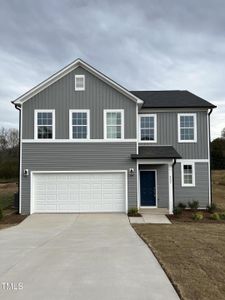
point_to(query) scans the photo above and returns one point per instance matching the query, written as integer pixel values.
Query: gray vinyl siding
(167, 134)
(77, 157)
(62, 97)
(162, 183)
(200, 192)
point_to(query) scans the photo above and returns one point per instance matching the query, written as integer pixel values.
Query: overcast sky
(143, 45)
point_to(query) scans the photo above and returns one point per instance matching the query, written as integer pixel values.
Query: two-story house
(87, 144)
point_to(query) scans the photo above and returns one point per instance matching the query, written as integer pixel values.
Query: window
(44, 124)
(187, 128)
(188, 174)
(113, 124)
(147, 128)
(79, 82)
(79, 124)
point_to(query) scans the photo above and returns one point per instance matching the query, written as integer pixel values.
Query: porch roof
(145, 152)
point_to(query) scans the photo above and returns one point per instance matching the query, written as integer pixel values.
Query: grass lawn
(192, 253)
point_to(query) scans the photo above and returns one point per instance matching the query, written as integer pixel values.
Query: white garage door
(78, 192)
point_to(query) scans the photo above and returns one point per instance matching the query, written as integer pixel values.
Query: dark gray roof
(171, 99)
(156, 152)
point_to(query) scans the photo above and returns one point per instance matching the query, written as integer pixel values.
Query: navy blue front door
(147, 185)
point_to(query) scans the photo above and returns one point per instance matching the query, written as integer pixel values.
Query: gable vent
(79, 82)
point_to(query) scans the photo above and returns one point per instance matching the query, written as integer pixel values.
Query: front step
(154, 211)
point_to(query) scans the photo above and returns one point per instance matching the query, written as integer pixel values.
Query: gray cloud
(152, 45)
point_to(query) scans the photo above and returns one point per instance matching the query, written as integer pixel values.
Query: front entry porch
(155, 188)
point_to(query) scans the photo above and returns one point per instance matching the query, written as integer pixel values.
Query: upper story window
(187, 128)
(44, 127)
(79, 82)
(114, 124)
(147, 128)
(187, 174)
(79, 124)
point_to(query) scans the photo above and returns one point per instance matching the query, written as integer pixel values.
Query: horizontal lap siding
(77, 157)
(200, 192)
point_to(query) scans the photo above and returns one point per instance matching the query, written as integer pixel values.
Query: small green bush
(181, 205)
(215, 216)
(133, 211)
(1, 213)
(198, 216)
(177, 210)
(194, 205)
(222, 216)
(211, 208)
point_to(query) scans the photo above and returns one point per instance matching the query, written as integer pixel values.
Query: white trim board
(75, 64)
(32, 173)
(192, 160)
(31, 141)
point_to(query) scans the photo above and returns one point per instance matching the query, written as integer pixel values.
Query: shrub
(193, 205)
(1, 213)
(177, 210)
(198, 216)
(215, 216)
(133, 211)
(211, 208)
(181, 205)
(222, 216)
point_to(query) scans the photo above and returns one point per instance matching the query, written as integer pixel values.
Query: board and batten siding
(162, 183)
(199, 192)
(62, 97)
(77, 157)
(167, 134)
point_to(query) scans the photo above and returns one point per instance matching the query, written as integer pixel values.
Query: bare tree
(223, 133)
(9, 138)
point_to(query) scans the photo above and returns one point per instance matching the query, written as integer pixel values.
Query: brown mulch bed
(11, 220)
(186, 216)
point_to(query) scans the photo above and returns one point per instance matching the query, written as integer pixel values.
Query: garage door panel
(79, 192)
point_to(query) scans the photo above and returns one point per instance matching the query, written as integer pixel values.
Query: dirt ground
(192, 253)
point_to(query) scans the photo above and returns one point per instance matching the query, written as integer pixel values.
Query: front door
(148, 188)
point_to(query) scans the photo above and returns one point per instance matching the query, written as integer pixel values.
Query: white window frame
(195, 127)
(71, 111)
(105, 123)
(155, 128)
(36, 111)
(182, 174)
(78, 88)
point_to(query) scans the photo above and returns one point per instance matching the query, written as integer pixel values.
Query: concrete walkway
(150, 219)
(68, 256)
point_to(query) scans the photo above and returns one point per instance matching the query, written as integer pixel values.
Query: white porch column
(170, 177)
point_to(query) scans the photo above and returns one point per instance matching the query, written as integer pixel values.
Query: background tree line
(9, 153)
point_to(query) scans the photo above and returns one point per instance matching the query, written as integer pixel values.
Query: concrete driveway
(86, 256)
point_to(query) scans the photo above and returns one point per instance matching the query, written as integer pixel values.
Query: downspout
(210, 172)
(173, 189)
(19, 109)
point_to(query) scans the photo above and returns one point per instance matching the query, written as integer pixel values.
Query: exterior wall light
(131, 171)
(25, 172)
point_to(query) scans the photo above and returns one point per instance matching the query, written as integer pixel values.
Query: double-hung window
(79, 124)
(147, 128)
(44, 124)
(187, 174)
(113, 124)
(187, 128)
